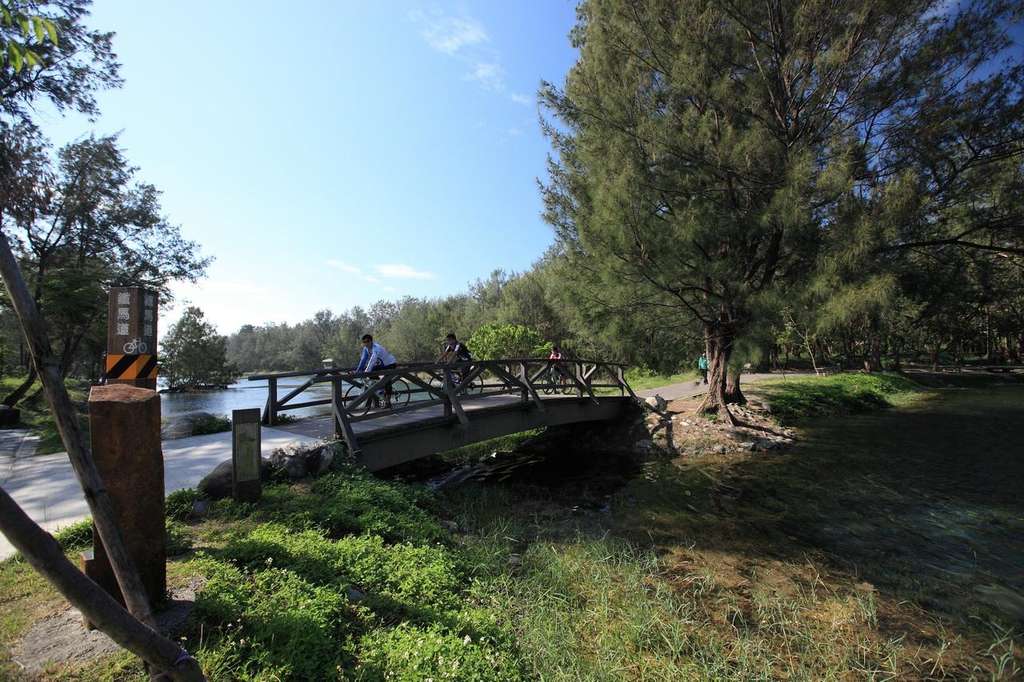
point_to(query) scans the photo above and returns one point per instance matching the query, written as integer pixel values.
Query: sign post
(131, 337)
(124, 425)
(245, 455)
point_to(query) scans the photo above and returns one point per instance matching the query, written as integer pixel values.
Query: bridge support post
(271, 413)
(342, 426)
(524, 377)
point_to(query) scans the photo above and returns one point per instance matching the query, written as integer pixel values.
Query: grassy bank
(802, 397)
(641, 380)
(884, 545)
(36, 415)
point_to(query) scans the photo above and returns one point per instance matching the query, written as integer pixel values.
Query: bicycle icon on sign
(136, 345)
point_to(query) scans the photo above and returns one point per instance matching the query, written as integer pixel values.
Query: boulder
(656, 403)
(295, 467)
(216, 485)
(319, 460)
(9, 416)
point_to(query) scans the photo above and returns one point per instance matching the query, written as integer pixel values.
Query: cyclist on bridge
(454, 350)
(376, 357)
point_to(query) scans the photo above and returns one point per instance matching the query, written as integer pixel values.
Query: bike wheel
(352, 393)
(400, 393)
(476, 386)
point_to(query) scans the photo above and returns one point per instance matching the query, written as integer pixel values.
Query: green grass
(35, 412)
(802, 397)
(476, 451)
(867, 551)
(641, 380)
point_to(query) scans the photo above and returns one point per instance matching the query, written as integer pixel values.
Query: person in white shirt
(376, 357)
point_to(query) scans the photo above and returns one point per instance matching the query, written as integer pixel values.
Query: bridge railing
(360, 396)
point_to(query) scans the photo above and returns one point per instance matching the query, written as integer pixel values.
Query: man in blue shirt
(376, 357)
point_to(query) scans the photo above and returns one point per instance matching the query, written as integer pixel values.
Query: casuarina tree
(703, 148)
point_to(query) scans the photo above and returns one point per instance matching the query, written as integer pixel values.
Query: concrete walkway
(46, 488)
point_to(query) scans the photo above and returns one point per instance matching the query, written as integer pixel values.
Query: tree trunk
(718, 342)
(15, 396)
(34, 328)
(733, 392)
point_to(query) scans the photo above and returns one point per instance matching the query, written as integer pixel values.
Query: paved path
(46, 488)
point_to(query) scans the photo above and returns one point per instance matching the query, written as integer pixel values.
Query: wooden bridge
(435, 407)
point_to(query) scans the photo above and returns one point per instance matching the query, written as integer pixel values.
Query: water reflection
(242, 395)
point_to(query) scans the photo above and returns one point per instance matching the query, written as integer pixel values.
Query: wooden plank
(526, 386)
(308, 403)
(302, 387)
(271, 402)
(342, 426)
(454, 399)
(412, 407)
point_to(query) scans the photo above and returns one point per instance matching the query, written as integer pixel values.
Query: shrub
(412, 653)
(176, 538)
(405, 579)
(363, 504)
(493, 341)
(210, 423)
(178, 505)
(269, 623)
(78, 535)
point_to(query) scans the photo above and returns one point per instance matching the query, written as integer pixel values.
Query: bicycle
(401, 393)
(474, 387)
(558, 381)
(134, 346)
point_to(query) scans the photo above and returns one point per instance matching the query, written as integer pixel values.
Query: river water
(241, 395)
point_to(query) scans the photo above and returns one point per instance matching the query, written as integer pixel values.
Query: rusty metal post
(124, 425)
(245, 455)
(131, 337)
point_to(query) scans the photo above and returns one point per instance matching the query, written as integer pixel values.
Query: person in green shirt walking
(702, 365)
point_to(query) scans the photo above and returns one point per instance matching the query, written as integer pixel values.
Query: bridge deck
(323, 426)
(445, 406)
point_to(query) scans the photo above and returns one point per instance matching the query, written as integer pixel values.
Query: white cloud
(344, 267)
(449, 34)
(400, 271)
(519, 98)
(488, 74)
(514, 132)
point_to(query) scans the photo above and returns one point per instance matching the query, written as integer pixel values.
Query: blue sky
(331, 154)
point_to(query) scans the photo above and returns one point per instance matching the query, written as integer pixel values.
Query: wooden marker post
(245, 455)
(131, 337)
(124, 425)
